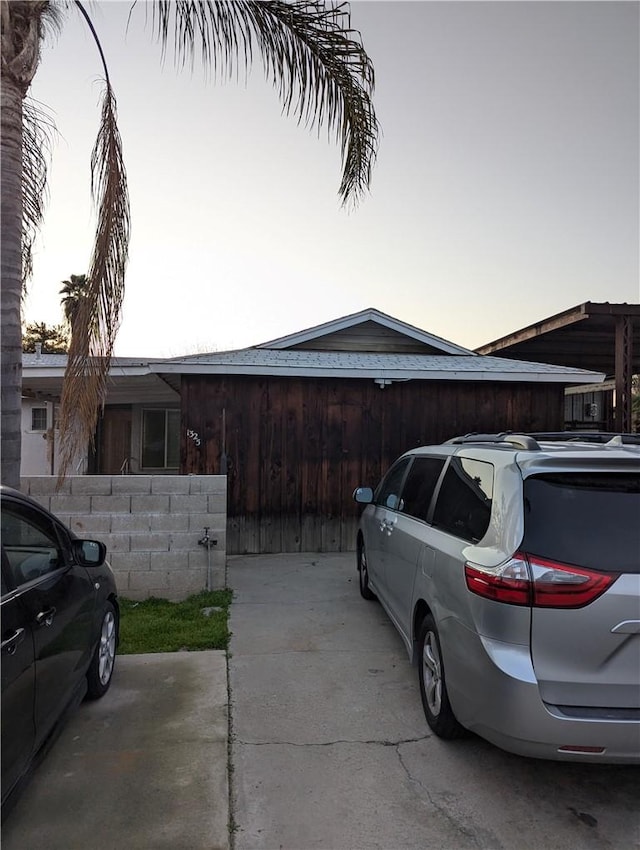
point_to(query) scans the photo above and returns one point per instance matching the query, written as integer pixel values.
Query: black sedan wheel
(101, 668)
(363, 574)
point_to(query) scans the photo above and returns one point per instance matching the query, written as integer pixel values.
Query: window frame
(48, 528)
(39, 409)
(167, 411)
(453, 459)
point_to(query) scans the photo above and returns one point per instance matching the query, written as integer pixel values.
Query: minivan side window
(463, 507)
(419, 486)
(388, 492)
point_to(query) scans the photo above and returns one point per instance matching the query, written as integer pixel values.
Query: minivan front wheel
(363, 574)
(433, 689)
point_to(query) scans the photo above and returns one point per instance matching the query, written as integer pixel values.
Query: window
(38, 418)
(30, 543)
(419, 486)
(463, 507)
(589, 519)
(160, 439)
(388, 493)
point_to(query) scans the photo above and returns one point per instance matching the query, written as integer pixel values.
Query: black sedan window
(30, 543)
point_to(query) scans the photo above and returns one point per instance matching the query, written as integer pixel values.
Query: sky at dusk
(506, 187)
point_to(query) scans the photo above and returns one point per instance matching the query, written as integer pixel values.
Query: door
(405, 547)
(382, 522)
(114, 442)
(18, 688)
(57, 598)
(582, 537)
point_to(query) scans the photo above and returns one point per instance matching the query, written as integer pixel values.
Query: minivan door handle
(388, 525)
(627, 627)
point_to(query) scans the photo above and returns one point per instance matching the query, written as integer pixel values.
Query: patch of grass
(158, 625)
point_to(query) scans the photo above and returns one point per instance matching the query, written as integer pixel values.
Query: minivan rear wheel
(363, 574)
(433, 688)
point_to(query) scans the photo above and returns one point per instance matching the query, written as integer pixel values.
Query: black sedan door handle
(10, 644)
(45, 618)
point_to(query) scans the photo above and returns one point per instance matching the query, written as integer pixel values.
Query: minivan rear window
(586, 519)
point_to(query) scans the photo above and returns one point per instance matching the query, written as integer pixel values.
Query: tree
(74, 290)
(323, 76)
(54, 339)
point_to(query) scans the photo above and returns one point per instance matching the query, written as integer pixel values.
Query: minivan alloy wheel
(363, 574)
(433, 683)
(431, 673)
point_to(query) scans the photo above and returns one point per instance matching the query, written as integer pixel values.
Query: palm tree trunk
(11, 290)
(21, 36)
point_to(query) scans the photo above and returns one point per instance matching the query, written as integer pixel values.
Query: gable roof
(334, 335)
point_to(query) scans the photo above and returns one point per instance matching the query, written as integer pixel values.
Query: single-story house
(298, 422)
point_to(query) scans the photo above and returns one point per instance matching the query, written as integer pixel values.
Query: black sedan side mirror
(89, 553)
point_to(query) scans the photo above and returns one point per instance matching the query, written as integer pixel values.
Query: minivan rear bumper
(500, 701)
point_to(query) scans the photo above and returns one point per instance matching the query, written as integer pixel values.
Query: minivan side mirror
(89, 553)
(363, 495)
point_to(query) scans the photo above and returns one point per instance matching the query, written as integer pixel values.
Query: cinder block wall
(150, 524)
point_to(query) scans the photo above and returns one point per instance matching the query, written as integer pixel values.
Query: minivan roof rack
(521, 441)
(605, 437)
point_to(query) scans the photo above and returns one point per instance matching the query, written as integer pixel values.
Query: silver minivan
(511, 568)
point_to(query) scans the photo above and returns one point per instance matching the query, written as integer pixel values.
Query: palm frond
(311, 55)
(98, 317)
(38, 131)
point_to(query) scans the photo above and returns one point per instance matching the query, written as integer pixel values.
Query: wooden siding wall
(296, 448)
(368, 336)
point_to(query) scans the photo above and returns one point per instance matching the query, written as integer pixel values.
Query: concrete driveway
(144, 768)
(330, 748)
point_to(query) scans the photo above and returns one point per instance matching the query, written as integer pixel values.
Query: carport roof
(583, 336)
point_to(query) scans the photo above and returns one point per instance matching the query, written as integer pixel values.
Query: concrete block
(148, 504)
(130, 561)
(169, 561)
(45, 485)
(154, 542)
(130, 523)
(64, 504)
(116, 543)
(129, 484)
(185, 542)
(215, 522)
(199, 559)
(170, 484)
(187, 582)
(110, 504)
(189, 504)
(155, 582)
(217, 504)
(88, 524)
(207, 483)
(169, 522)
(91, 485)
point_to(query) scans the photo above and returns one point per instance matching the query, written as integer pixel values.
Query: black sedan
(60, 618)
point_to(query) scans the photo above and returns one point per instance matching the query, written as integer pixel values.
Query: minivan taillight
(539, 582)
